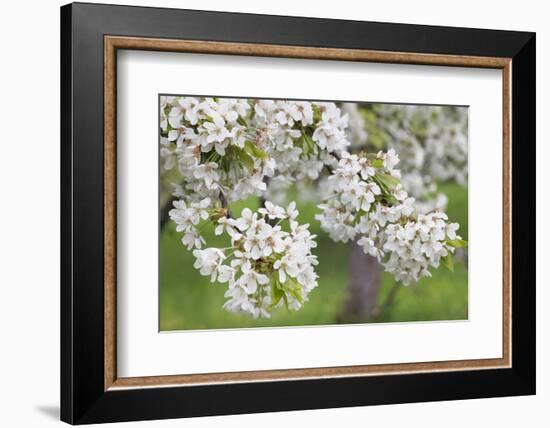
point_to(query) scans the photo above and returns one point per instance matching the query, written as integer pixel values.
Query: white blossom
(208, 260)
(267, 257)
(272, 211)
(192, 239)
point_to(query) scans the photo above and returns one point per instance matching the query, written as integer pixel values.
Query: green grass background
(189, 301)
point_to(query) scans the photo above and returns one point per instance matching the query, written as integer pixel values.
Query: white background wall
(29, 213)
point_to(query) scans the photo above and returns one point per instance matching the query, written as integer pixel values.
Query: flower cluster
(187, 217)
(353, 188)
(235, 146)
(209, 140)
(265, 266)
(414, 245)
(368, 204)
(447, 146)
(357, 132)
(431, 140)
(300, 136)
(229, 149)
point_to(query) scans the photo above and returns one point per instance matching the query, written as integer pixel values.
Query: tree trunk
(365, 274)
(163, 213)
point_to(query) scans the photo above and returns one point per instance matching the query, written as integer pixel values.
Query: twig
(163, 213)
(225, 205)
(388, 301)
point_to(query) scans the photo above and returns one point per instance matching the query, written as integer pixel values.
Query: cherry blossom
(386, 225)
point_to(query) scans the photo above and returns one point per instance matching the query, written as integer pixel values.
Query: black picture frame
(83, 398)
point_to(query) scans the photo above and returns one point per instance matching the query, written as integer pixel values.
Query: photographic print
(278, 213)
(218, 242)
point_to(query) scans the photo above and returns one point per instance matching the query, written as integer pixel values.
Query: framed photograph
(266, 213)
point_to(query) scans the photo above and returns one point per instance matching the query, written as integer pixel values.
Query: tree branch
(225, 205)
(388, 301)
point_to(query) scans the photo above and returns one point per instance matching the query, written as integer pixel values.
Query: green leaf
(294, 289)
(449, 263)
(245, 158)
(312, 144)
(306, 143)
(386, 183)
(361, 213)
(316, 113)
(297, 295)
(286, 301)
(377, 163)
(253, 150)
(277, 294)
(305, 146)
(457, 243)
(389, 180)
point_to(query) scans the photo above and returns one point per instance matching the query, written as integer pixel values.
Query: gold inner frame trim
(113, 43)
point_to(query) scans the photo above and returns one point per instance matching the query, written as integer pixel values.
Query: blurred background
(433, 147)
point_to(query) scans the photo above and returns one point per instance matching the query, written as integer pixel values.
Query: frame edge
(66, 315)
(76, 395)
